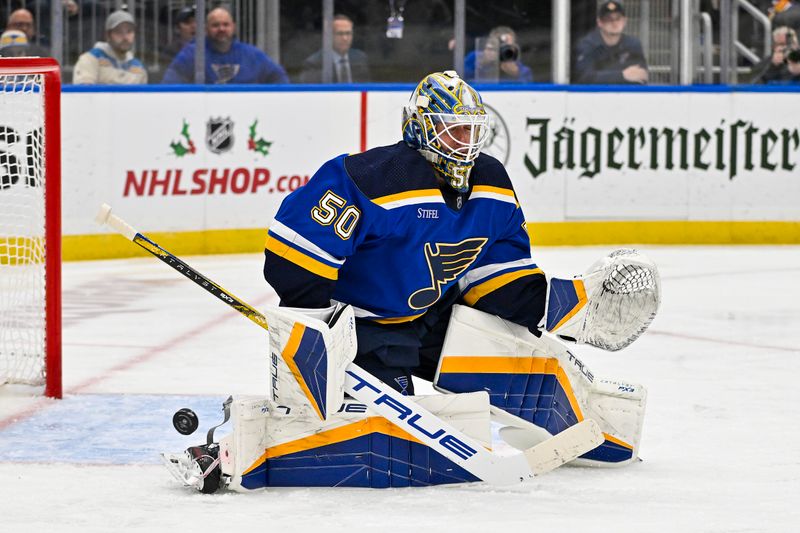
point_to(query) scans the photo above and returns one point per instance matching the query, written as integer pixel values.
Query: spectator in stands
(499, 60)
(607, 55)
(775, 68)
(185, 27)
(13, 43)
(785, 13)
(228, 60)
(22, 20)
(71, 7)
(112, 62)
(793, 66)
(349, 64)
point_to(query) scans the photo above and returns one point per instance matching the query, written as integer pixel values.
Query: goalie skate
(197, 467)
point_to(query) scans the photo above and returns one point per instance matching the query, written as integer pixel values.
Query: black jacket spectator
(349, 64)
(788, 17)
(359, 67)
(596, 62)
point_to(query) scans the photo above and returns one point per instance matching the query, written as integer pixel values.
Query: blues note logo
(402, 381)
(445, 263)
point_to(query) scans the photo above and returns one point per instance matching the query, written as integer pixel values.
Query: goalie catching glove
(609, 306)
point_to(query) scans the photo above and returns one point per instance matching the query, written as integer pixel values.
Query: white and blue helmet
(441, 102)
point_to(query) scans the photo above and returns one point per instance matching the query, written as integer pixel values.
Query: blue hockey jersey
(374, 230)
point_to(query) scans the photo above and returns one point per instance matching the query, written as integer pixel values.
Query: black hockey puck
(185, 421)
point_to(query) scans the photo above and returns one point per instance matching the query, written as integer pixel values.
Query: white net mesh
(22, 229)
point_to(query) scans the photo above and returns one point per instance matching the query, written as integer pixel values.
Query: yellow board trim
(300, 259)
(421, 193)
(586, 233)
(580, 292)
(333, 436)
(591, 233)
(288, 353)
(183, 243)
(15, 251)
(479, 291)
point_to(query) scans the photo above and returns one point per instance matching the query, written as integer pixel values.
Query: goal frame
(51, 75)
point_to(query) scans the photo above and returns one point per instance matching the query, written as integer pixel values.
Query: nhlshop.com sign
(194, 161)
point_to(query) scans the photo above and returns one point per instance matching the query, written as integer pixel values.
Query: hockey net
(30, 233)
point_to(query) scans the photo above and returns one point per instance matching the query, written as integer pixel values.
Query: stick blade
(566, 446)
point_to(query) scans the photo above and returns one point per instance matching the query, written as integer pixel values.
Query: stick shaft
(202, 281)
(105, 216)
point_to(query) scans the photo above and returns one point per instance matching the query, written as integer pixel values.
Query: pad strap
(226, 410)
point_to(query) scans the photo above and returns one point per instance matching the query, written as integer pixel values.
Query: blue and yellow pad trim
(307, 358)
(371, 453)
(535, 389)
(566, 298)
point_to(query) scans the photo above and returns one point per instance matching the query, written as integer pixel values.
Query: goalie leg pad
(539, 381)
(309, 351)
(353, 448)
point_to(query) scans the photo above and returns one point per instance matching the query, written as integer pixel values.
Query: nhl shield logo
(219, 134)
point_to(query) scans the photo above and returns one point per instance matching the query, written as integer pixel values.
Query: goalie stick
(401, 410)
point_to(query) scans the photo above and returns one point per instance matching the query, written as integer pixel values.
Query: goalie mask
(446, 121)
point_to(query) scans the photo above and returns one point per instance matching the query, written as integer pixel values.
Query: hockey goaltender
(414, 260)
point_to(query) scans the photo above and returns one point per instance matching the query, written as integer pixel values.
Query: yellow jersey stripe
(495, 190)
(344, 433)
(406, 195)
(397, 319)
(300, 259)
(482, 289)
(289, 351)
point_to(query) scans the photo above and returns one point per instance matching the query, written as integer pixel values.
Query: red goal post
(30, 223)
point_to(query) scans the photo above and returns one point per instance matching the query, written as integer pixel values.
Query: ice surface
(720, 443)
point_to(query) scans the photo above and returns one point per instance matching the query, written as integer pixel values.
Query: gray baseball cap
(118, 17)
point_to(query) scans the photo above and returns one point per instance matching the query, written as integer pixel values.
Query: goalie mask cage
(30, 223)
